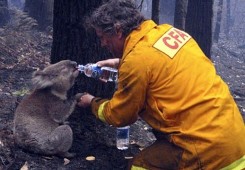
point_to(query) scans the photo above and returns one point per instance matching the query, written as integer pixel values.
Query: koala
(39, 118)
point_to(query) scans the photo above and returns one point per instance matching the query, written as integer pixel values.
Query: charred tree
(72, 41)
(4, 12)
(155, 11)
(238, 20)
(167, 11)
(40, 10)
(199, 23)
(180, 13)
(228, 16)
(218, 21)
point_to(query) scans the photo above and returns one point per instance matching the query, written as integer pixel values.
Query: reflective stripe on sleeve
(237, 165)
(100, 111)
(137, 168)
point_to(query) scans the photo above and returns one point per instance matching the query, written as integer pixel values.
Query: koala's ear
(41, 80)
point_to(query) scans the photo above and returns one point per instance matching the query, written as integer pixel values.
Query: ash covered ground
(22, 52)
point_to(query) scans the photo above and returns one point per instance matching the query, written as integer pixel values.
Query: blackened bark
(167, 11)
(228, 17)
(71, 41)
(199, 23)
(218, 21)
(180, 13)
(4, 13)
(155, 11)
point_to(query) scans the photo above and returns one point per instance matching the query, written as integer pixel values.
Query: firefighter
(166, 79)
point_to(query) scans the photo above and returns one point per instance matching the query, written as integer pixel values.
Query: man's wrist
(95, 104)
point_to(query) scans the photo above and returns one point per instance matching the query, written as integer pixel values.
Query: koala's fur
(39, 119)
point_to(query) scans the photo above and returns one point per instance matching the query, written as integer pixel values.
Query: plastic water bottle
(104, 73)
(122, 137)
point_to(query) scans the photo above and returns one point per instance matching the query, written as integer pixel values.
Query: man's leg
(161, 155)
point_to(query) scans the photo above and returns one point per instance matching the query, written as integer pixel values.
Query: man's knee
(160, 155)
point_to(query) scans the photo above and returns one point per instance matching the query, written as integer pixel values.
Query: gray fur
(39, 119)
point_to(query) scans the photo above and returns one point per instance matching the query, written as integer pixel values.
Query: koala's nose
(73, 63)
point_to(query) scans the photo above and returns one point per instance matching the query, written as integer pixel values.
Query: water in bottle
(109, 74)
(122, 137)
(104, 73)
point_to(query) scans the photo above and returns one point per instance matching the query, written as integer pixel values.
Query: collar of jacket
(135, 36)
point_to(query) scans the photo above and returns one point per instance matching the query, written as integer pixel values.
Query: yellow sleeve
(97, 105)
(129, 99)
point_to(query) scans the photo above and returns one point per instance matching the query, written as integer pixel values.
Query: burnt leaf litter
(22, 52)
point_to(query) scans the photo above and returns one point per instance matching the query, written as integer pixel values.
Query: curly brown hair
(114, 14)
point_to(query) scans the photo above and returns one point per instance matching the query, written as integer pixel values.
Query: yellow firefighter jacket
(166, 79)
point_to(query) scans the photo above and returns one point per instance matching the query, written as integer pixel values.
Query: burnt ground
(22, 52)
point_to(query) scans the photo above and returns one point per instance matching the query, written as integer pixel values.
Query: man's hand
(85, 100)
(114, 62)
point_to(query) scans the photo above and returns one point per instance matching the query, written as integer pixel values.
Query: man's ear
(120, 34)
(118, 31)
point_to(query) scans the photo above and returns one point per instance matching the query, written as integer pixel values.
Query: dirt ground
(21, 55)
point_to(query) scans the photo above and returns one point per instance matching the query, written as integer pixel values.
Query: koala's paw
(67, 155)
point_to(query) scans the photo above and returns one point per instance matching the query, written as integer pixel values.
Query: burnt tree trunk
(180, 13)
(72, 41)
(218, 21)
(167, 11)
(199, 23)
(228, 17)
(155, 11)
(40, 10)
(4, 13)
